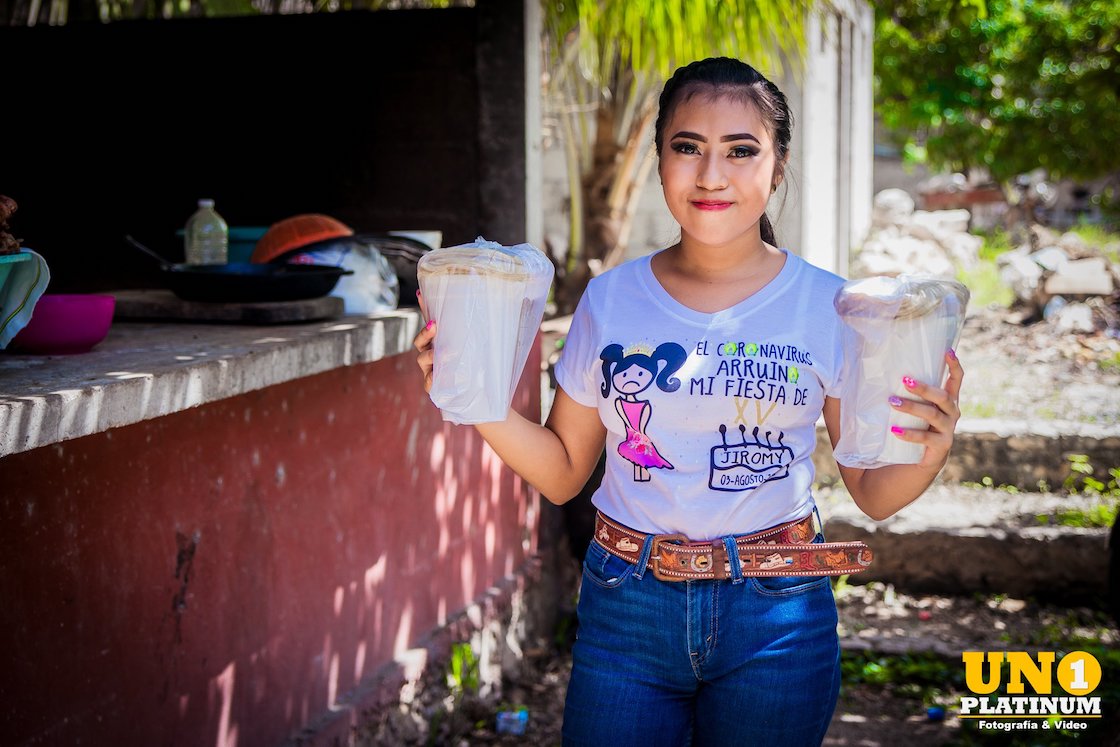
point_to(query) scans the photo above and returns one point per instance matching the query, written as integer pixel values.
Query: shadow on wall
(235, 572)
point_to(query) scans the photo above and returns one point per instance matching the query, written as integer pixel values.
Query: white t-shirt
(711, 418)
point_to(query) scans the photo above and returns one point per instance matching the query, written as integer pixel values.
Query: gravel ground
(1035, 372)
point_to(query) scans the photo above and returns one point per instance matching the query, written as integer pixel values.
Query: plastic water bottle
(207, 236)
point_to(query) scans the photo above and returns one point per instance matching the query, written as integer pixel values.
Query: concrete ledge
(957, 539)
(144, 371)
(1020, 453)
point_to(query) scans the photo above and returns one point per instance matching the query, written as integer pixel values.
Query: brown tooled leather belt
(784, 550)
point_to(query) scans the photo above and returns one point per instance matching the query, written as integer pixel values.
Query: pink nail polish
(418, 293)
(896, 430)
(896, 401)
(430, 324)
(908, 382)
(952, 354)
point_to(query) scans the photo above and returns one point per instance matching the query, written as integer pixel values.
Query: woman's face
(717, 166)
(632, 379)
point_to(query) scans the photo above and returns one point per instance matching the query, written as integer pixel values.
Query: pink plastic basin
(65, 323)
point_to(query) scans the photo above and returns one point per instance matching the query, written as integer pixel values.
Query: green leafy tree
(607, 62)
(1008, 85)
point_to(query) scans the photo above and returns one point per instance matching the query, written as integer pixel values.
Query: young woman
(703, 369)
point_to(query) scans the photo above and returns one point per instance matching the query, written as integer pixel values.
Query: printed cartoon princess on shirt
(630, 372)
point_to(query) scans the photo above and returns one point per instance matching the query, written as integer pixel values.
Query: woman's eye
(743, 151)
(686, 148)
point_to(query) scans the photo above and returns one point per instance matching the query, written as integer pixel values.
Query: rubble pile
(1057, 277)
(905, 240)
(1065, 280)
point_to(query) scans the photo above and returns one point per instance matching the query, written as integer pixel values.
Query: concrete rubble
(905, 240)
(1057, 276)
(1064, 279)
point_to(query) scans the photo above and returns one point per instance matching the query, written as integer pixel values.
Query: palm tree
(607, 62)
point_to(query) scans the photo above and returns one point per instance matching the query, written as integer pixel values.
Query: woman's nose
(711, 175)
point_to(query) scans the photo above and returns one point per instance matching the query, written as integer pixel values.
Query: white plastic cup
(914, 348)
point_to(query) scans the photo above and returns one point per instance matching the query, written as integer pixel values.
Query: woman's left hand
(940, 409)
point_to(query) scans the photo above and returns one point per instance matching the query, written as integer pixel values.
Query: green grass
(1100, 516)
(1097, 235)
(979, 409)
(985, 285)
(983, 279)
(996, 242)
(921, 676)
(1081, 480)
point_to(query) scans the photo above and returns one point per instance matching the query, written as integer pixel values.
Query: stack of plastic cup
(894, 328)
(488, 300)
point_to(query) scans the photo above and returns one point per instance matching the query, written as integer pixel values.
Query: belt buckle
(655, 553)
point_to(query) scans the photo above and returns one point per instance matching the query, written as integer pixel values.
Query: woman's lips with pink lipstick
(711, 204)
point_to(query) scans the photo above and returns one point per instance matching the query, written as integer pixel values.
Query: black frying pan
(403, 252)
(245, 282)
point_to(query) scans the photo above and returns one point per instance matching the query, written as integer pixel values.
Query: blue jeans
(746, 661)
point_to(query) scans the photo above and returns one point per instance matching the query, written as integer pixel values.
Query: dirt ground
(868, 715)
(1035, 372)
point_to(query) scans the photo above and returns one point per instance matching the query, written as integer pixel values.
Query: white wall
(828, 208)
(534, 179)
(863, 124)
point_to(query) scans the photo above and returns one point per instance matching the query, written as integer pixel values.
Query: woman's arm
(556, 458)
(883, 491)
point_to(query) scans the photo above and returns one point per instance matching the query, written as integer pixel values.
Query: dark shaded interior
(375, 118)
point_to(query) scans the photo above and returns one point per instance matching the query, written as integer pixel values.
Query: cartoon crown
(638, 348)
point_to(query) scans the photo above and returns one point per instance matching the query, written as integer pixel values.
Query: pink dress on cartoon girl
(636, 447)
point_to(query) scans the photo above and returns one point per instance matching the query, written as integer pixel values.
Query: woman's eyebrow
(724, 139)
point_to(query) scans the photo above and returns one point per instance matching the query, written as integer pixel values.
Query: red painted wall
(222, 575)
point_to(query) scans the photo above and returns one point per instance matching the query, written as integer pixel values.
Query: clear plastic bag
(489, 301)
(372, 288)
(893, 327)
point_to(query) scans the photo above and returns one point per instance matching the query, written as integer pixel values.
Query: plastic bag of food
(489, 301)
(893, 327)
(372, 288)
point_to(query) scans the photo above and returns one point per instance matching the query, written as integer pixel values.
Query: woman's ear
(779, 174)
(776, 180)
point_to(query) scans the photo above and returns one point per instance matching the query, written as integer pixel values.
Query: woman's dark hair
(724, 76)
(673, 354)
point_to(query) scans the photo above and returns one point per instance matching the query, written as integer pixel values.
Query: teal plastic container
(7, 262)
